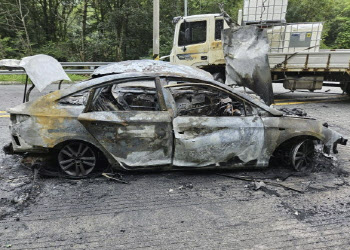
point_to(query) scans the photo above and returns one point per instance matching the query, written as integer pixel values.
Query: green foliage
(334, 13)
(343, 38)
(13, 78)
(206, 7)
(62, 51)
(6, 48)
(338, 36)
(114, 30)
(309, 10)
(22, 78)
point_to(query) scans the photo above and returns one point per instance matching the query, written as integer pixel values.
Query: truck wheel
(346, 87)
(219, 77)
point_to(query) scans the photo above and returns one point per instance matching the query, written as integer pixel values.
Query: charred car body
(155, 115)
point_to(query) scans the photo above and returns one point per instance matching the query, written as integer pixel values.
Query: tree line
(115, 30)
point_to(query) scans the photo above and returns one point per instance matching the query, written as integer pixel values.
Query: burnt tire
(77, 159)
(302, 155)
(346, 87)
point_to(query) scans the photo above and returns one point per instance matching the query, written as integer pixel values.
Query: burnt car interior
(76, 99)
(141, 96)
(202, 101)
(191, 99)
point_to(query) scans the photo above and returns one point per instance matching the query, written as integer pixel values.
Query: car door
(130, 123)
(214, 127)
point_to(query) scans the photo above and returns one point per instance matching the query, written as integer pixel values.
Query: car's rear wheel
(302, 155)
(77, 159)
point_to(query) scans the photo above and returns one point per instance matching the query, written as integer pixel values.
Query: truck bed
(323, 61)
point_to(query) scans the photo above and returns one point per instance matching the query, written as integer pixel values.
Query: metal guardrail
(79, 68)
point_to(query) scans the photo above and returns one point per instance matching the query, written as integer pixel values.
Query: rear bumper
(24, 137)
(18, 146)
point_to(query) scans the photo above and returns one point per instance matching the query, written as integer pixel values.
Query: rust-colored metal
(307, 62)
(328, 61)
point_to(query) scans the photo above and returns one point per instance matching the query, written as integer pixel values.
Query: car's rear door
(131, 124)
(206, 135)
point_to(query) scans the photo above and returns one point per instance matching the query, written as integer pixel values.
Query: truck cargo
(295, 57)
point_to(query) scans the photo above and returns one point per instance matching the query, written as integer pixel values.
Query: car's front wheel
(77, 159)
(303, 155)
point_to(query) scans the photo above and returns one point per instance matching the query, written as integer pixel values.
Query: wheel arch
(282, 151)
(63, 142)
(98, 149)
(293, 139)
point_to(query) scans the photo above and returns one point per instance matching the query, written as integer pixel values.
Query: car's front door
(128, 120)
(214, 127)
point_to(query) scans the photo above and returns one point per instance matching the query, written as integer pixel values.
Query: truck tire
(346, 87)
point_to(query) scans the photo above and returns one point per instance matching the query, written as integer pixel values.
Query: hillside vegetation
(115, 30)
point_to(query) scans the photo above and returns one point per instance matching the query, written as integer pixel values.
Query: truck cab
(197, 42)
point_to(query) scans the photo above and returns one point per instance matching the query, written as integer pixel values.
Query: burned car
(155, 115)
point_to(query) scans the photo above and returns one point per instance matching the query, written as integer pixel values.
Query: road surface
(182, 210)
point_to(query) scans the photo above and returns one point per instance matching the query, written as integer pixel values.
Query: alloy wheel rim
(77, 159)
(303, 155)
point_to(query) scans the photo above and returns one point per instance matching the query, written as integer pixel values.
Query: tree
(14, 15)
(115, 30)
(338, 35)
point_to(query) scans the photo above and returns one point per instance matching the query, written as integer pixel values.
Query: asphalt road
(182, 210)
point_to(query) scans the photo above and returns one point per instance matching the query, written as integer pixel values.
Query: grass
(22, 78)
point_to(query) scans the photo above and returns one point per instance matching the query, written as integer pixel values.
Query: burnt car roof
(150, 66)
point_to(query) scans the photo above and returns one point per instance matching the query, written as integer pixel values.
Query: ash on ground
(18, 186)
(294, 111)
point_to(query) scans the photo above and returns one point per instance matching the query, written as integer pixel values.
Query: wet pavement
(280, 209)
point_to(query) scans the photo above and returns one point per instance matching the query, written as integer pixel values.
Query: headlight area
(18, 118)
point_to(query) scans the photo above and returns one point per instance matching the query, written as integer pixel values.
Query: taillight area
(18, 118)
(13, 118)
(15, 138)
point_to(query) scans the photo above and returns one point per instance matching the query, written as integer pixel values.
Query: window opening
(192, 33)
